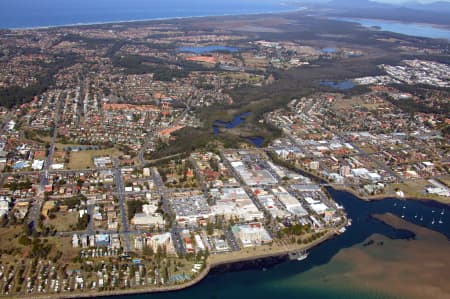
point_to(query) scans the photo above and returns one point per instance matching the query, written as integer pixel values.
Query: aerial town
(130, 159)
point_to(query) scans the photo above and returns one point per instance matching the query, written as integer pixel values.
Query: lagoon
(342, 85)
(236, 121)
(257, 141)
(412, 29)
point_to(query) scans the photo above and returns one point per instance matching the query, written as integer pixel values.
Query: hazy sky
(397, 1)
(403, 1)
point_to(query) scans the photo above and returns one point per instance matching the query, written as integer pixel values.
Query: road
(199, 175)
(90, 211)
(110, 232)
(242, 182)
(35, 209)
(161, 190)
(122, 205)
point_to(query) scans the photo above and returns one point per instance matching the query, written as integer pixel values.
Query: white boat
(442, 213)
(302, 255)
(342, 230)
(432, 222)
(298, 255)
(349, 222)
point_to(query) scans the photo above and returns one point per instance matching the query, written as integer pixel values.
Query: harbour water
(293, 279)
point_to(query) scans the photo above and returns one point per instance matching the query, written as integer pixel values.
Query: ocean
(45, 13)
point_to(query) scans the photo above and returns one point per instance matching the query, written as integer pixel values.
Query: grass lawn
(84, 159)
(445, 180)
(64, 244)
(416, 189)
(9, 237)
(367, 148)
(63, 221)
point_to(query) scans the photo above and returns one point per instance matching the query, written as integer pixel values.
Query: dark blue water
(237, 120)
(41, 13)
(255, 283)
(257, 141)
(329, 50)
(208, 49)
(343, 85)
(413, 29)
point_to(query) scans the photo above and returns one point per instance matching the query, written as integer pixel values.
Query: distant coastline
(131, 21)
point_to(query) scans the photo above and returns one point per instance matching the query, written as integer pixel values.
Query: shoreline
(121, 22)
(342, 187)
(384, 196)
(209, 265)
(359, 19)
(331, 234)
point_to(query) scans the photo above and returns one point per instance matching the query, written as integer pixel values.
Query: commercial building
(235, 203)
(252, 234)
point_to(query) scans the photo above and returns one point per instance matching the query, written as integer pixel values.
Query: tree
(209, 228)
(147, 250)
(83, 222)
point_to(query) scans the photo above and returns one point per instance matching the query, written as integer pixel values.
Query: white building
(148, 217)
(37, 164)
(252, 234)
(161, 240)
(234, 202)
(4, 205)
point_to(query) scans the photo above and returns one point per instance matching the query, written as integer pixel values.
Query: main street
(122, 205)
(35, 209)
